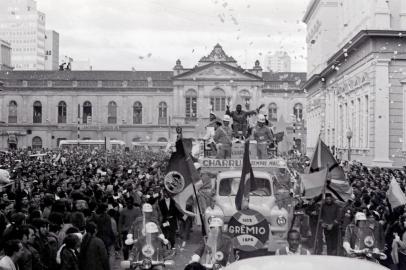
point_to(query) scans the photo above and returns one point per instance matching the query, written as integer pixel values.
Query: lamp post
(349, 137)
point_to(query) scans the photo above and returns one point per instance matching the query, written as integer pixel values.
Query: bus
(90, 144)
(152, 146)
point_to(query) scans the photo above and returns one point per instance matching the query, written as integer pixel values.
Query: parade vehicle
(268, 175)
(298, 262)
(90, 144)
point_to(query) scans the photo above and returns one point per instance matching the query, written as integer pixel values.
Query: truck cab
(262, 198)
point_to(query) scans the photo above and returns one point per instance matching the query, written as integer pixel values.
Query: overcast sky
(152, 34)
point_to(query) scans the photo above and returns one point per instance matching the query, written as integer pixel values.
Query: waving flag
(247, 181)
(181, 175)
(395, 195)
(336, 183)
(323, 158)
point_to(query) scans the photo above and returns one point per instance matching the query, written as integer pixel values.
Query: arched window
(273, 112)
(37, 113)
(191, 104)
(162, 139)
(12, 112)
(298, 111)
(218, 100)
(36, 143)
(244, 98)
(162, 113)
(87, 112)
(112, 113)
(62, 112)
(137, 113)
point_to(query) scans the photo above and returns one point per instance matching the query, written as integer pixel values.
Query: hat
(197, 165)
(147, 208)
(261, 118)
(151, 227)
(360, 216)
(226, 118)
(216, 222)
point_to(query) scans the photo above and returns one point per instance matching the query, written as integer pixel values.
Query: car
(312, 262)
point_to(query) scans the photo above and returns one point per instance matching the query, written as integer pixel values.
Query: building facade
(23, 26)
(51, 50)
(40, 108)
(357, 79)
(280, 61)
(5, 55)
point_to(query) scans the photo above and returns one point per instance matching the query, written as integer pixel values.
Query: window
(137, 113)
(36, 143)
(273, 112)
(87, 112)
(37, 113)
(12, 112)
(162, 118)
(298, 111)
(218, 100)
(191, 104)
(112, 113)
(62, 112)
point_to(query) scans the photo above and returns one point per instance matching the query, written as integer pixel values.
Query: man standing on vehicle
(263, 135)
(223, 142)
(240, 123)
(294, 245)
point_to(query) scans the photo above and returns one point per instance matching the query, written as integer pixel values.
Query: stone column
(381, 113)
(402, 15)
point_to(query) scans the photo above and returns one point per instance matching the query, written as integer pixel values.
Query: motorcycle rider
(217, 247)
(149, 247)
(137, 230)
(361, 235)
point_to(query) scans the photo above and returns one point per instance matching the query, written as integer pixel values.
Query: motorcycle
(145, 264)
(368, 253)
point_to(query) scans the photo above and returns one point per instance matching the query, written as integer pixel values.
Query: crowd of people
(74, 209)
(83, 208)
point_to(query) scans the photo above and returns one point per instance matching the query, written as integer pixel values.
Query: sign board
(249, 230)
(233, 163)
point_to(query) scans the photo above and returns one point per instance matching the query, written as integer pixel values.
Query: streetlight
(349, 137)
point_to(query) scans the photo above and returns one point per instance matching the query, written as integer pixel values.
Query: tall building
(278, 62)
(39, 108)
(5, 55)
(51, 50)
(357, 78)
(23, 26)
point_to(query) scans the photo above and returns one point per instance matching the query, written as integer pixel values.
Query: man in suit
(170, 213)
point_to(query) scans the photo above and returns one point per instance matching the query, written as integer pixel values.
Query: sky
(153, 34)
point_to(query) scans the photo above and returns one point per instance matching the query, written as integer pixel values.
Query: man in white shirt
(294, 247)
(13, 250)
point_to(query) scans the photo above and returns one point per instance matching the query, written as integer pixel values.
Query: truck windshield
(229, 187)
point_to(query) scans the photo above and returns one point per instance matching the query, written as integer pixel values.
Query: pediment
(218, 71)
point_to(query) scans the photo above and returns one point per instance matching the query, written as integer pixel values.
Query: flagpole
(319, 216)
(188, 161)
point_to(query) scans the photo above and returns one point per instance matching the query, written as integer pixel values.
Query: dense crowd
(77, 209)
(70, 200)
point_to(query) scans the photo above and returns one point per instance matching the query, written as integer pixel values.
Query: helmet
(197, 165)
(216, 222)
(226, 118)
(151, 227)
(261, 118)
(360, 216)
(146, 208)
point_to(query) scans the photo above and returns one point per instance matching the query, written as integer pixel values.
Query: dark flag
(181, 175)
(247, 181)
